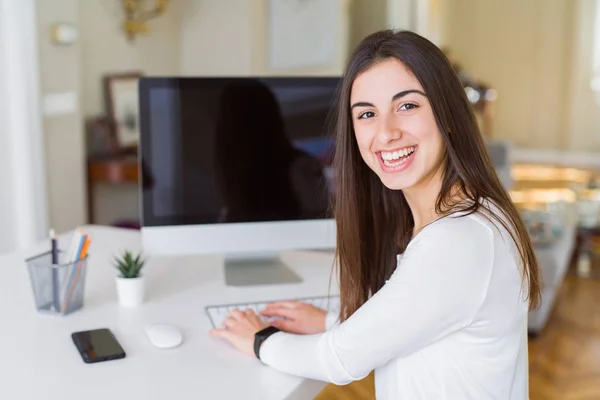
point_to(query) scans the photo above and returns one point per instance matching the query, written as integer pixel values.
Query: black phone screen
(98, 345)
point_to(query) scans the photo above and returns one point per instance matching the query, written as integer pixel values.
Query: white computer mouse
(164, 336)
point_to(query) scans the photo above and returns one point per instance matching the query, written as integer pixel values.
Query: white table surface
(38, 359)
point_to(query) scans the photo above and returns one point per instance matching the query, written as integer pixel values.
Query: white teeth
(395, 163)
(398, 157)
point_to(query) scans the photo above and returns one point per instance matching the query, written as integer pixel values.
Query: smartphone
(97, 345)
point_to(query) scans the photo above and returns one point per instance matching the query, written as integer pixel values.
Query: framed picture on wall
(122, 107)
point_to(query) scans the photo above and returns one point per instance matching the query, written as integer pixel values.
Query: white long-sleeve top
(451, 323)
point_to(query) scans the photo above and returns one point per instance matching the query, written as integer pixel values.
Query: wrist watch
(261, 336)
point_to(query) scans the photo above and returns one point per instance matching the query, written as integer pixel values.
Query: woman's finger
(229, 323)
(280, 312)
(285, 304)
(236, 314)
(277, 309)
(222, 333)
(286, 326)
(251, 315)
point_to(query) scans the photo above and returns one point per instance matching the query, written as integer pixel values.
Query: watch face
(265, 333)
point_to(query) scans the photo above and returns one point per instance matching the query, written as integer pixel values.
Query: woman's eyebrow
(395, 97)
(403, 93)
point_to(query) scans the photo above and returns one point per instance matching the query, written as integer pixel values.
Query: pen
(54, 247)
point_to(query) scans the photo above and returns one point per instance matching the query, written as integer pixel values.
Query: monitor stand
(258, 269)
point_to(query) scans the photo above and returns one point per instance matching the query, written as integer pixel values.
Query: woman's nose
(389, 130)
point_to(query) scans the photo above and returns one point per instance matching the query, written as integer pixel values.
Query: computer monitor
(239, 167)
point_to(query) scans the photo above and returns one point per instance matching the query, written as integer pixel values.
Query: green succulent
(129, 265)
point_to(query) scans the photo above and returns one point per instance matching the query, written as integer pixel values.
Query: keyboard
(219, 313)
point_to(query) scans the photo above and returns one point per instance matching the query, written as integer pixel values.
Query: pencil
(82, 254)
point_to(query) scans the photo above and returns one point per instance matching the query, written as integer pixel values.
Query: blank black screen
(98, 343)
(220, 150)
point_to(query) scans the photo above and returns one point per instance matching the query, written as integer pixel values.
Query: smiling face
(395, 128)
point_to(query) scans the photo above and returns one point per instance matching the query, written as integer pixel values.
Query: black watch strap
(261, 336)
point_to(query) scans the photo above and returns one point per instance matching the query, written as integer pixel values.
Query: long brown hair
(374, 223)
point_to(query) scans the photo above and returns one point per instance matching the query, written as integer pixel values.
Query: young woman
(436, 270)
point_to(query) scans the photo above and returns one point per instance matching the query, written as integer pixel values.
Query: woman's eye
(366, 115)
(408, 106)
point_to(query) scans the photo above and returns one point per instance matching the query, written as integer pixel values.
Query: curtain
(23, 202)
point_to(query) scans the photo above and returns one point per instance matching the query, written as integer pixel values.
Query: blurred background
(539, 59)
(69, 128)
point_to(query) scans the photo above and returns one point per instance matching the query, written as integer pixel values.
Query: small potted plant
(130, 282)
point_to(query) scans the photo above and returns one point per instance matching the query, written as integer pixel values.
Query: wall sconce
(64, 34)
(136, 16)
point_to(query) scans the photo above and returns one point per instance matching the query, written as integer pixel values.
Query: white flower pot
(130, 291)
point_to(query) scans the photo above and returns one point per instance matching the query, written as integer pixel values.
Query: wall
(583, 122)
(260, 54)
(404, 14)
(106, 50)
(522, 49)
(231, 38)
(537, 54)
(367, 17)
(60, 71)
(194, 37)
(216, 37)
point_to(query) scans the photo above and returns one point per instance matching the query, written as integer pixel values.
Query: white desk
(38, 359)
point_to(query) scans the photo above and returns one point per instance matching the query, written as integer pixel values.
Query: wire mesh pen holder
(58, 289)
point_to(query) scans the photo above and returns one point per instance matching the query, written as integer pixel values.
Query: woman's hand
(300, 318)
(239, 329)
